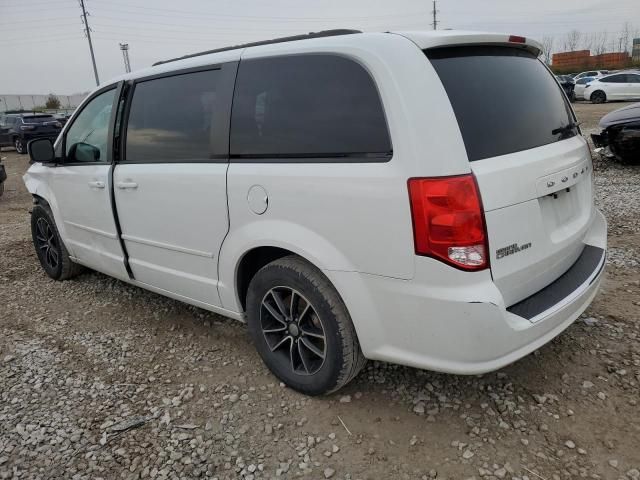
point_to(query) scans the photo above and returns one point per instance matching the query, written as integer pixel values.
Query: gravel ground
(103, 380)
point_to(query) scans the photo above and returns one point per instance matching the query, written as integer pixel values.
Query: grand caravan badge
(511, 249)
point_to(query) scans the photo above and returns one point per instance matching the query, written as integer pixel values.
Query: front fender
(36, 179)
(302, 241)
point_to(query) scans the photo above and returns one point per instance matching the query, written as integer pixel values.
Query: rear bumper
(456, 322)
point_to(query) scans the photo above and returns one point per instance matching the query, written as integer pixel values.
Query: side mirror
(41, 150)
(84, 153)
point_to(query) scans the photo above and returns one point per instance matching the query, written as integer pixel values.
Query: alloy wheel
(47, 243)
(293, 330)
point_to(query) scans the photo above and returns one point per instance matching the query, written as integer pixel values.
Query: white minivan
(352, 196)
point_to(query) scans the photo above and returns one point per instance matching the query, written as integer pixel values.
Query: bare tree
(613, 43)
(625, 37)
(52, 102)
(547, 48)
(572, 40)
(600, 43)
(588, 41)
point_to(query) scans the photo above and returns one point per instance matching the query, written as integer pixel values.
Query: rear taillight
(448, 220)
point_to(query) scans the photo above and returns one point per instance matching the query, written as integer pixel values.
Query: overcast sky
(43, 48)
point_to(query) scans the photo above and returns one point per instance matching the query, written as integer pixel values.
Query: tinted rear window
(504, 99)
(307, 106)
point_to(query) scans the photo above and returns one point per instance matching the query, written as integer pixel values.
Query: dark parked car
(16, 129)
(568, 85)
(620, 136)
(63, 118)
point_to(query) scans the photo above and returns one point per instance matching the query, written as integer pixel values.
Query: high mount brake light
(517, 39)
(448, 220)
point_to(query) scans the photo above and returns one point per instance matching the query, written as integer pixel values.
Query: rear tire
(301, 327)
(20, 146)
(53, 255)
(598, 97)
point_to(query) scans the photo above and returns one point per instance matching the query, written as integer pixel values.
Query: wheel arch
(249, 264)
(38, 187)
(599, 90)
(252, 246)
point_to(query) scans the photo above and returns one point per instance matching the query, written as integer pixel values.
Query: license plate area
(565, 212)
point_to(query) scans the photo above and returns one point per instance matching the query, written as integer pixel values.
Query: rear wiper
(567, 128)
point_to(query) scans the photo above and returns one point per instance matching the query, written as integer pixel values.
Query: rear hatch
(45, 125)
(532, 165)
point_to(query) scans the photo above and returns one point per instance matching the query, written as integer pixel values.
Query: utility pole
(87, 30)
(435, 14)
(125, 55)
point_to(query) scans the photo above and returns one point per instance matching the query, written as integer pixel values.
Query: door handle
(127, 185)
(96, 184)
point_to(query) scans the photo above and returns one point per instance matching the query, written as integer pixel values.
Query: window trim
(225, 67)
(337, 157)
(118, 91)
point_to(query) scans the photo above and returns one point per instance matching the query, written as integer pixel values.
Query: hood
(622, 115)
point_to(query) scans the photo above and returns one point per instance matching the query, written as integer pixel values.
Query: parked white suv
(591, 73)
(390, 196)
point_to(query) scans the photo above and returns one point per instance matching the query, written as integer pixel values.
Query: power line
(48, 20)
(186, 13)
(87, 30)
(48, 40)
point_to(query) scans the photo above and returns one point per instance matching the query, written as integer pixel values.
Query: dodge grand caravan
(352, 196)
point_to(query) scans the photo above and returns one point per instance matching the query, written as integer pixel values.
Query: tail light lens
(448, 221)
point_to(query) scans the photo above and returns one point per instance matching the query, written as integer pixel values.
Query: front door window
(86, 140)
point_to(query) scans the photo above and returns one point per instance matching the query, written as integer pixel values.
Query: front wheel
(21, 146)
(598, 97)
(301, 328)
(50, 250)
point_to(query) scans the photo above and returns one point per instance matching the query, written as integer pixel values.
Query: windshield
(504, 98)
(38, 119)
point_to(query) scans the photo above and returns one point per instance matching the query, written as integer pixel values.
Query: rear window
(504, 99)
(305, 107)
(38, 119)
(620, 78)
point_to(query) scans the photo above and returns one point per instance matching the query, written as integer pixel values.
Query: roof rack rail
(323, 33)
